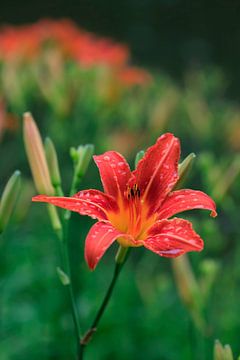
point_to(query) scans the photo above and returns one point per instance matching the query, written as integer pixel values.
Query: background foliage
(83, 89)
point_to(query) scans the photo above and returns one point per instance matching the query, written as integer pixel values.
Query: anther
(133, 192)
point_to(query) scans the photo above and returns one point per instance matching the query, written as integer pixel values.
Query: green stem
(120, 261)
(65, 259)
(63, 236)
(75, 183)
(107, 297)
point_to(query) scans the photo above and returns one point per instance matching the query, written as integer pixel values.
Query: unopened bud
(228, 352)
(81, 158)
(84, 155)
(222, 353)
(53, 166)
(184, 169)
(36, 155)
(139, 156)
(218, 351)
(38, 164)
(8, 199)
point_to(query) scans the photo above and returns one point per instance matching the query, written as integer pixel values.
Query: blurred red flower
(134, 76)
(28, 40)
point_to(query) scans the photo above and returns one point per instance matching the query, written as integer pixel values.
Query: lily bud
(38, 164)
(36, 155)
(81, 157)
(184, 169)
(222, 353)
(139, 156)
(218, 351)
(8, 199)
(53, 166)
(228, 352)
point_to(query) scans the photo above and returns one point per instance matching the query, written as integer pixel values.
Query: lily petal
(99, 239)
(157, 171)
(114, 172)
(171, 238)
(93, 203)
(182, 200)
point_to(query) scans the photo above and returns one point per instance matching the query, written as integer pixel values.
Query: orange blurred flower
(27, 42)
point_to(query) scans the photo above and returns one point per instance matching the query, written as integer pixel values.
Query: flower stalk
(119, 262)
(46, 175)
(120, 259)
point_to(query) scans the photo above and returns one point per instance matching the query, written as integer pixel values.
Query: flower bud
(184, 169)
(228, 352)
(139, 156)
(82, 156)
(53, 166)
(218, 351)
(38, 164)
(36, 155)
(222, 353)
(8, 199)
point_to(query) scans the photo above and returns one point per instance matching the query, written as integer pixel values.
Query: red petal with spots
(182, 200)
(93, 203)
(157, 172)
(114, 172)
(99, 239)
(171, 238)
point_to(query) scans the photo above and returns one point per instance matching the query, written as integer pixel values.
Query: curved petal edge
(93, 203)
(99, 239)
(186, 199)
(171, 238)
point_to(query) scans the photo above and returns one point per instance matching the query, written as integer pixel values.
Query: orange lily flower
(135, 207)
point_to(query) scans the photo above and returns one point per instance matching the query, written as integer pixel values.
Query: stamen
(135, 220)
(132, 192)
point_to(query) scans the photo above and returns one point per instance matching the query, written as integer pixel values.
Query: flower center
(132, 192)
(133, 218)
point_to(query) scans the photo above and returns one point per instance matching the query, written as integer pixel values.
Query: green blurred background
(189, 86)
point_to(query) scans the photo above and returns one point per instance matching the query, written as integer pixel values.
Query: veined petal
(93, 203)
(171, 238)
(99, 239)
(157, 171)
(114, 172)
(182, 200)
